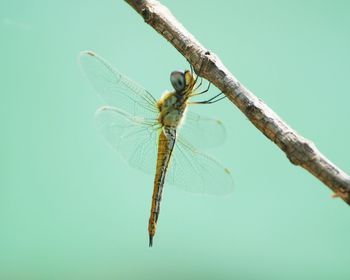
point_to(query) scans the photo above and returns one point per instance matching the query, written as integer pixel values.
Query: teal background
(71, 209)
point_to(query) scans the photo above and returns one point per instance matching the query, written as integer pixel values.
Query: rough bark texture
(299, 150)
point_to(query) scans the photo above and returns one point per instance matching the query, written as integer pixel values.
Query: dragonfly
(156, 136)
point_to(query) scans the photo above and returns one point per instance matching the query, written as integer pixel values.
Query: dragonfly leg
(193, 73)
(204, 91)
(212, 100)
(191, 68)
(200, 84)
(197, 75)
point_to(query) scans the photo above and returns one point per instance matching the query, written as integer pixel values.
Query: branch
(300, 151)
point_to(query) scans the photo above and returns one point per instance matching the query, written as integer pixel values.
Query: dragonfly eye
(177, 79)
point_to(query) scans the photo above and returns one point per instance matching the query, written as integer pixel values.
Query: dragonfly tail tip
(150, 241)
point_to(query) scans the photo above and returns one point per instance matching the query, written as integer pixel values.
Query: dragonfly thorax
(171, 109)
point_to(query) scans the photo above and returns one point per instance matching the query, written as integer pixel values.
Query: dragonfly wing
(203, 131)
(197, 172)
(116, 89)
(134, 138)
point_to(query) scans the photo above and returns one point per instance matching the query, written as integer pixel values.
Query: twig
(299, 150)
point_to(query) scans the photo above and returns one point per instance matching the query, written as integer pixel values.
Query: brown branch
(299, 150)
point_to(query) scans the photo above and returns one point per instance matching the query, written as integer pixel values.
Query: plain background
(71, 209)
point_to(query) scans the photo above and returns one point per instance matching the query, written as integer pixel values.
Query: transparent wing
(117, 89)
(136, 139)
(204, 132)
(197, 172)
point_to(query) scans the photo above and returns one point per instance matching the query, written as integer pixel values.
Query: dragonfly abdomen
(166, 144)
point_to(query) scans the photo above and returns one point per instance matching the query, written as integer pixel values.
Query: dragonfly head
(177, 79)
(182, 81)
